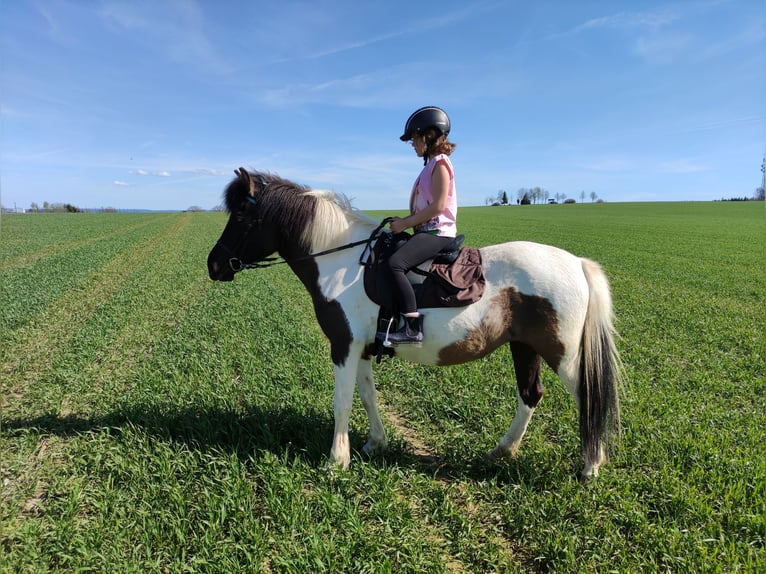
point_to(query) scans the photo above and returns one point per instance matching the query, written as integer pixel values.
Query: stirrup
(383, 335)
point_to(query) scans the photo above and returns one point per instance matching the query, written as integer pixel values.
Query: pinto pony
(546, 303)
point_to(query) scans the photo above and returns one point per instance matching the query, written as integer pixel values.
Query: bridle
(236, 264)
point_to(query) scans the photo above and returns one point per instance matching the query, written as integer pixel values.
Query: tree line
(54, 208)
(534, 195)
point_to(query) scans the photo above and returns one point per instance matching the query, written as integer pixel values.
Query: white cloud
(682, 166)
(207, 171)
(119, 183)
(143, 172)
(661, 48)
(626, 20)
(181, 38)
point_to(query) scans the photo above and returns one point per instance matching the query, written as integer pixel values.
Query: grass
(154, 421)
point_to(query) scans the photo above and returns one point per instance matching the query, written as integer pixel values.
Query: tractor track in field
(30, 356)
(29, 259)
(455, 489)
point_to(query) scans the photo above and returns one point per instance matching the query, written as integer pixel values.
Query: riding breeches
(419, 248)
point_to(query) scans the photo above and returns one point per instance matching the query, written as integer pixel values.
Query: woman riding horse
(433, 213)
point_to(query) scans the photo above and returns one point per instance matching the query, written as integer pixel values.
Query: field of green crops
(152, 420)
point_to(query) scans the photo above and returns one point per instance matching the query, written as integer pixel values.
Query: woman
(433, 213)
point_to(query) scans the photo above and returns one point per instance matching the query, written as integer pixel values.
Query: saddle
(453, 278)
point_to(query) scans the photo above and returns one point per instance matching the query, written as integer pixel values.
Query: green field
(152, 420)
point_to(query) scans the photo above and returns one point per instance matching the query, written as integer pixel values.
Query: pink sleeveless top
(445, 223)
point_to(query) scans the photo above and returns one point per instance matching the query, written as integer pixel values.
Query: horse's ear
(245, 178)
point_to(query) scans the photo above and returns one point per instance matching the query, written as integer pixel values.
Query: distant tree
(582, 196)
(195, 208)
(569, 200)
(34, 208)
(46, 206)
(525, 200)
(593, 196)
(504, 198)
(760, 194)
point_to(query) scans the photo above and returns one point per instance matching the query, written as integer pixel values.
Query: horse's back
(532, 266)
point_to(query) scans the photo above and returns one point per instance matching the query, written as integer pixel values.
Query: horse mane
(321, 219)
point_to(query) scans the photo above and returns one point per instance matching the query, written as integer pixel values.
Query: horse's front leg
(377, 441)
(340, 453)
(345, 376)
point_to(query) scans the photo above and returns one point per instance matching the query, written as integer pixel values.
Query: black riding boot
(410, 333)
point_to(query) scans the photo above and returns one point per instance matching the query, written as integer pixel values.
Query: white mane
(335, 220)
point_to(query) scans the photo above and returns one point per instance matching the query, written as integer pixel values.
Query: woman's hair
(436, 144)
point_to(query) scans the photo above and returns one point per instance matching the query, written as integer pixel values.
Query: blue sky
(134, 104)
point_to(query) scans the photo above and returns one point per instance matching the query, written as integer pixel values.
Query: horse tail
(600, 370)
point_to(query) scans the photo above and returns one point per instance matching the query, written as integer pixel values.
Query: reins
(237, 264)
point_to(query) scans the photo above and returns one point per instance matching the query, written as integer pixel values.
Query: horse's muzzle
(218, 266)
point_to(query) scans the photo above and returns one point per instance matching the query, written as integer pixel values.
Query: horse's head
(248, 236)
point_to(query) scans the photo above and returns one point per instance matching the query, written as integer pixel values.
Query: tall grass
(152, 420)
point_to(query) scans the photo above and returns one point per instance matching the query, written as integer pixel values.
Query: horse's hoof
(589, 474)
(499, 453)
(334, 464)
(373, 447)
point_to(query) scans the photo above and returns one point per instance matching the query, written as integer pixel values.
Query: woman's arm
(440, 188)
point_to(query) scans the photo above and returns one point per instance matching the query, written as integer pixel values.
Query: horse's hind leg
(369, 395)
(526, 363)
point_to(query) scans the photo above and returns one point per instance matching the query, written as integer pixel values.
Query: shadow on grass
(305, 433)
(286, 432)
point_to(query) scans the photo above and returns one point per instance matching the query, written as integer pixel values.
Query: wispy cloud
(630, 20)
(181, 38)
(430, 22)
(355, 45)
(682, 166)
(646, 32)
(206, 171)
(143, 173)
(119, 183)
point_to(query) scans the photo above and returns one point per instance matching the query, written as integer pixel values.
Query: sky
(153, 104)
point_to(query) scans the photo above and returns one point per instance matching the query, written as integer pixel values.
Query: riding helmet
(424, 118)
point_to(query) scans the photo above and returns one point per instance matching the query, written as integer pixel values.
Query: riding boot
(411, 332)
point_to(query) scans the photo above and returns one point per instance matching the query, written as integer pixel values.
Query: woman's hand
(397, 225)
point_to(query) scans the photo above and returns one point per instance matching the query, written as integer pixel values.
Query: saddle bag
(455, 284)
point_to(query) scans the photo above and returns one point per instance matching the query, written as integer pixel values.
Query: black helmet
(424, 118)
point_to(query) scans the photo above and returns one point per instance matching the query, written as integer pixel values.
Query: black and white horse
(544, 302)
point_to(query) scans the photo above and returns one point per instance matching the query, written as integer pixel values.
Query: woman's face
(419, 143)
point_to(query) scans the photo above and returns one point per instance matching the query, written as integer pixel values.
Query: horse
(545, 303)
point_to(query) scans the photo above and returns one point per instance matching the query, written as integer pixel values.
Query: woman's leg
(418, 248)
